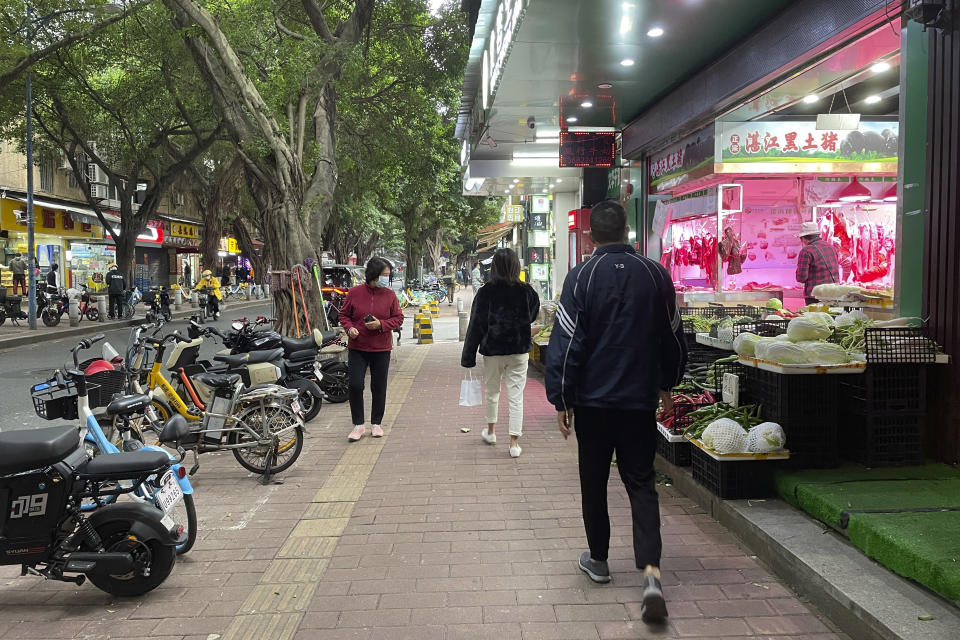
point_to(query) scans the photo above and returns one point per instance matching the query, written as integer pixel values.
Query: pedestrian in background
(817, 263)
(187, 282)
(477, 277)
(370, 313)
(52, 278)
(617, 348)
(116, 286)
(500, 320)
(18, 267)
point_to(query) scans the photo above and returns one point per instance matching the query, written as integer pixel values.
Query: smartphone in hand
(369, 318)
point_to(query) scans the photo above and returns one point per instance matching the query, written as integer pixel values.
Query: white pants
(513, 371)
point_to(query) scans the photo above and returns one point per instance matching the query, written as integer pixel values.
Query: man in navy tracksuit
(616, 350)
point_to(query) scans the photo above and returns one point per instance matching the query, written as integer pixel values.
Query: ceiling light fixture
(626, 25)
(874, 99)
(516, 180)
(656, 32)
(551, 186)
(506, 190)
(604, 85)
(559, 180)
(571, 119)
(880, 67)
(627, 62)
(512, 186)
(553, 161)
(854, 192)
(811, 98)
(586, 104)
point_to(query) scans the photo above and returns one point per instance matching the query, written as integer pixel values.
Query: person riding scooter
(212, 284)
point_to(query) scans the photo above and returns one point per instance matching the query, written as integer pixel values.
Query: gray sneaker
(596, 569)
(654, 607)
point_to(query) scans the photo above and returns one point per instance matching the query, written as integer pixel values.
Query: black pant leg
(379, 368)
(595, 451)
(636, 449)
(357, 366)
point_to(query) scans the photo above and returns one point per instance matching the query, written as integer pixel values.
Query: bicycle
(62, 398)
(261, 423)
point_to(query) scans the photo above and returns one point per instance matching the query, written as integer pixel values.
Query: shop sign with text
(511, 213)
(184, 230)
(793, 141)
(505, 24)
(690, 158)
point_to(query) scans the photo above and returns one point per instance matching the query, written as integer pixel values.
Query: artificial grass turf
(924, 546)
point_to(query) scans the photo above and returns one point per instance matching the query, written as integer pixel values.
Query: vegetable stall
(766, 389)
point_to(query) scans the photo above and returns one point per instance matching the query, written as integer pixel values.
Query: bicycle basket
(102, 386)
(53, 401)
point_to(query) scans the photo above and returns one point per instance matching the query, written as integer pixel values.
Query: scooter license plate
(317, 372)
(296, 406)
(169, 494)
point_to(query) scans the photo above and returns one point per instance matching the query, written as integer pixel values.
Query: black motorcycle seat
(328, 336)
(174, 430)
(301, 356)
(254, 357)
(297, 344)
(128, 404)
(26, 449)
(120, 464)
(217, 380)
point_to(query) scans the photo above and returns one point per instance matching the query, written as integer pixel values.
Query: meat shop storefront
(725, 202)
(729, 226)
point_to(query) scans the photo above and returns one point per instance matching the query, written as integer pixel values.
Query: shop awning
(164, 216)
(491, 235)
(84, 214)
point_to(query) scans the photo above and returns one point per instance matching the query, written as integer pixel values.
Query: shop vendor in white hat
(817, 263)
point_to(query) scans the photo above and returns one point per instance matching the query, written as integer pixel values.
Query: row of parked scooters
(54, 303)
(134, 420)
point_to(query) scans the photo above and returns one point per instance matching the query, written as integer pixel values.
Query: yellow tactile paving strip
(275, 607)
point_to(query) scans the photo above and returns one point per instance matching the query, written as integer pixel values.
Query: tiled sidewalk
(427, 533)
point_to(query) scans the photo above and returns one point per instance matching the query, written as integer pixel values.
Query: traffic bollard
(464, 323)
(102, 307)
(74, 312)
(177, 299)
(193, 298)
(459, 305)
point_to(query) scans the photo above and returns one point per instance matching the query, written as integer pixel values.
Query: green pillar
(912, 167)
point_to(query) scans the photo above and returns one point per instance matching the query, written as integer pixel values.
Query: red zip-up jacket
(379, 302)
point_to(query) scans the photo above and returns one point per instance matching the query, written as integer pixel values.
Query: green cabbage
(824, 353)
(725, 436)
(809, 327)
(786, 353)
(766, 437)
(745, 344)
(775, 304)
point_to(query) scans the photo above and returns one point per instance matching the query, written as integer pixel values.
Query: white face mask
(383, 281)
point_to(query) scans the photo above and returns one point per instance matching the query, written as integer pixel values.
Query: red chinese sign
(786, 141)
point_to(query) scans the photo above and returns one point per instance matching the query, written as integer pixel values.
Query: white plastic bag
(471, 391)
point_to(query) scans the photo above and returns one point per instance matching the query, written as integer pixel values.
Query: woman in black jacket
(503, 310)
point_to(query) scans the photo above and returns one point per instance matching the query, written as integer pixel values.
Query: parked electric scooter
(158, 304)
(10, 308)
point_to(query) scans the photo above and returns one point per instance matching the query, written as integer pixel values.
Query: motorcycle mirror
(237, 326)
(109, 353)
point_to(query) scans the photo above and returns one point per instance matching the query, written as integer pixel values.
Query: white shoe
(515, 451)
(488, 438)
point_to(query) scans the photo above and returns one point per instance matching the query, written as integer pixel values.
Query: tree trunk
(212, 231)
(318, 200)
(245, 241)
(126, 245)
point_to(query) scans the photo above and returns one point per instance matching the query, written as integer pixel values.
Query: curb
(864, 599)
(88, 327)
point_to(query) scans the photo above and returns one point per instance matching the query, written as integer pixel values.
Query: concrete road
(21, 367)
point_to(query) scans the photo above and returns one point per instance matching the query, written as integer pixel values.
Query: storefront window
(88, 262)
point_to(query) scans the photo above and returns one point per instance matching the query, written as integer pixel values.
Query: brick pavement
(427, 533)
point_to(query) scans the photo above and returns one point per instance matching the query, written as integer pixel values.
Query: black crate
(101, 387)
(734, 479)
(765, 328)
(676, 453)
(883, 439)
(748, 310)
(806, 406)
(53, 401)
(899, 345)
(681, 416)
(701, 354)
(707, 312)
(720, 368)
(886, 388)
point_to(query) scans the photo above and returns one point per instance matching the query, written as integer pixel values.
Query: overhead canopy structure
(490, 236)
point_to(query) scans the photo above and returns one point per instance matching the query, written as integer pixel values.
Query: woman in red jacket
(370, 314)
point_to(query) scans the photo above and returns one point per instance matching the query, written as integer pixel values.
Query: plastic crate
(765, 328)
(899, 345)
(707, 312)
(54, 401)
(807, 409)
(886, 388)
(701, 354)
(720, 368)
(681, 416)
(676, 453)
(883, 439)
(101, 387)
(748, 310)
(734, 479)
